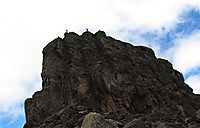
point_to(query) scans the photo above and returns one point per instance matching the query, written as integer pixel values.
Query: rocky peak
(121, 84)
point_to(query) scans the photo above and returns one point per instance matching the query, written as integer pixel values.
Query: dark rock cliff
(93, 80)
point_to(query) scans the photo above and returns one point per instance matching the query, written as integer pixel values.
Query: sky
(170, 27)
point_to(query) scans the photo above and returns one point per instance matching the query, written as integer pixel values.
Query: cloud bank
(186, 53)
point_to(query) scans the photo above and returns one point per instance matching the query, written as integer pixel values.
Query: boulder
(96, 120)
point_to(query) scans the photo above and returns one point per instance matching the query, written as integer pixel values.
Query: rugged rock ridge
(110, 81)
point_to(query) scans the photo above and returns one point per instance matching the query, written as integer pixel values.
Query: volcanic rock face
(93, 80)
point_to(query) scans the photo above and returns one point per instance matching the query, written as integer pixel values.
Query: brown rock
(105, 75)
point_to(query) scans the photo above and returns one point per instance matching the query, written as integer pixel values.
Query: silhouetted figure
(86, 29)
(66, 33)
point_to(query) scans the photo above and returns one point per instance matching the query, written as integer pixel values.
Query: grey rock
(198, 116)
(137, 123)
(170, 125)
(96, 120)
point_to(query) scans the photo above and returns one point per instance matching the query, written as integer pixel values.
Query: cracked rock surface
(95, 80)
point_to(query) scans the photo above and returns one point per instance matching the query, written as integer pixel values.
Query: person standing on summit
(66, 32)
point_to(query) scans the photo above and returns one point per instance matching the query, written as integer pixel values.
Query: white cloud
(186, 53)
(194, 82)
(20, 66)
(98, 14)
(147, 14)
(26, 26)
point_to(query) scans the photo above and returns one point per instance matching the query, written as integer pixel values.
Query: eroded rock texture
(124, 84)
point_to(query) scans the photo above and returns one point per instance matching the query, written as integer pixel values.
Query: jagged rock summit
(96, 81)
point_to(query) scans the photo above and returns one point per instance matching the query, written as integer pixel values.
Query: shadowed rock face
(96, 73)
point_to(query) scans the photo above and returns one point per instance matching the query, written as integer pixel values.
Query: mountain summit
(95, 81)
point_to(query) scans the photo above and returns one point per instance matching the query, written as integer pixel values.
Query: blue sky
(170, 27)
